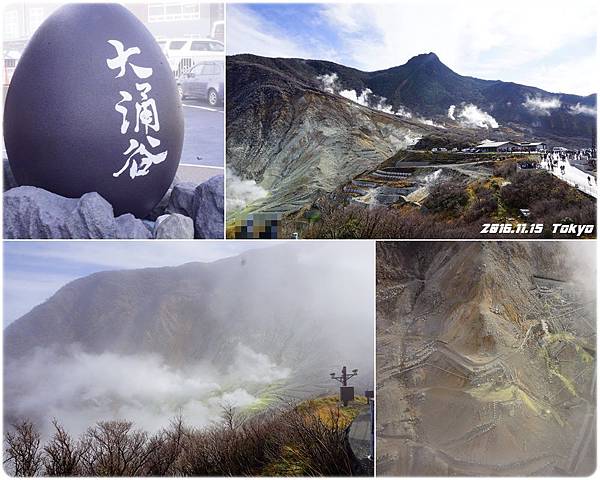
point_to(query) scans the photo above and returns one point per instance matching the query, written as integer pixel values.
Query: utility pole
(346, 392)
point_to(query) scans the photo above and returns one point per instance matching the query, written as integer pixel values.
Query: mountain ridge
(303, 128)
(191, 312)
(427, 86)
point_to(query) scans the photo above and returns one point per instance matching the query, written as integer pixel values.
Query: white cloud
(580, 109)
(471, 116)
(31, 274)
(560, 77)
(242, 192)
(541, 105)
(481, 39)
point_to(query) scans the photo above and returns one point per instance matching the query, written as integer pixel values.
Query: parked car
(183, 53)
(218, 30)
(203, 81)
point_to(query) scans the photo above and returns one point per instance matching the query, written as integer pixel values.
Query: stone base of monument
(187, 211)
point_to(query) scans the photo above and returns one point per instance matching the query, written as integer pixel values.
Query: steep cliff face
(486, 357)
(297, 141)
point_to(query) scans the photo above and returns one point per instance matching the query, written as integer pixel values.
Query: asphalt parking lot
(204, 134)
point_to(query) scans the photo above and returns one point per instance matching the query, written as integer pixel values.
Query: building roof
(490, 144)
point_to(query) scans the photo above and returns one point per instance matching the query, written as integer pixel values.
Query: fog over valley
(145, 345)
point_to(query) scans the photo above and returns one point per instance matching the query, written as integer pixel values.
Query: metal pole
(343, 379)
(372, 402)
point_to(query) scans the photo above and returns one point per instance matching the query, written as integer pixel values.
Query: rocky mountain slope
(200, 312)
(486, 359)
(296, 140)
(303, 127)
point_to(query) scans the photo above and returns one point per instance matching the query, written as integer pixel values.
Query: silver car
(203, 81)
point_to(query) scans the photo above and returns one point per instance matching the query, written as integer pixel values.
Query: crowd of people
(564, 159)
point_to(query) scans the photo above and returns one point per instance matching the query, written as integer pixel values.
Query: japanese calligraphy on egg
(140, 121)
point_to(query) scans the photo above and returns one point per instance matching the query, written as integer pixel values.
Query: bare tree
(23, 449)
(63, 454)
(229, 416)
(166, 448)
(114, 449)
(288, 440)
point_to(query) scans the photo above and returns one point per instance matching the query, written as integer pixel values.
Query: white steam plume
(242, 192)
(451, 109)
(362, 99)
(402, 111)
(428, 121)
(580, 109)
(141, 388)
(328, 82)
(540, 105)
(471, 116)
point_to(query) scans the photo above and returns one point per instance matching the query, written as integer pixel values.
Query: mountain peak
(424, 58)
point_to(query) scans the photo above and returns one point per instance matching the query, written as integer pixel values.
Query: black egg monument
(93, 107)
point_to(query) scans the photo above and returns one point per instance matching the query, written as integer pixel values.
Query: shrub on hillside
(449, 198)
(288, 441)
(504, 168)
(549, 199)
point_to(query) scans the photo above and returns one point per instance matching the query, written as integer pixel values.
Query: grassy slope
(326, 408)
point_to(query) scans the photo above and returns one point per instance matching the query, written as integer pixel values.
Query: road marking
(203, 108)
(200, 166)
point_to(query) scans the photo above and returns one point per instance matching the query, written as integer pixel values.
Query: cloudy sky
(550, 45)
(34, 271)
